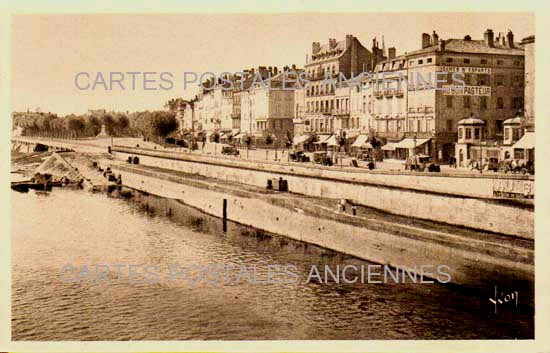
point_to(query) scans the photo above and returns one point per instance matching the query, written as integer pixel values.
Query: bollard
(354, 210)
(225, 215)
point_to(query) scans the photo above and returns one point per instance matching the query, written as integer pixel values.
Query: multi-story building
(324, 105)
(216, 107)
(388, 97)
(493, 70)
(528, 44)
(268, 108)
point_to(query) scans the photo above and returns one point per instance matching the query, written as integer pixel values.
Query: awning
(360, 141)
(300, 139)
(332, 141)
(390, 146)
(322, 139)
(410, 143)
(239, 135)
(209, 133)
(526, 142)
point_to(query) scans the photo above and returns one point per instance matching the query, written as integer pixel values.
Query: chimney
(332, 43)
(391, 53)
(275, 70)
(293, 66)
(489, 38)
(425, 40)
(442, 44)
(435, 38)
(315, 47)
(510, 37)
(349, 40)
(467, 38)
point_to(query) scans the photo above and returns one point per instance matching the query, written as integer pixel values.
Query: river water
(53, 230)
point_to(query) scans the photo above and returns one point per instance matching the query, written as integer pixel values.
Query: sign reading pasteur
(457, 90)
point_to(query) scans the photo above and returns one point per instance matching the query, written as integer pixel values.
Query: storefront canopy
(332, 141)
(410, 143)
(361, 141)
(390, 146)
(299, 139)
(322, 139)
(526, 142)
(239, 135)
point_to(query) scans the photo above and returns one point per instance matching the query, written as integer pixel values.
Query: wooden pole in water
(225, 215)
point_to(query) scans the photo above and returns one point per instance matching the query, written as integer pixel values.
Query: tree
(163, 123)
(122, 123)
(93, 125)
(109, 123)
(247, 141)
(216, 137)
(75, 125)
(268, 139)
(288, 139)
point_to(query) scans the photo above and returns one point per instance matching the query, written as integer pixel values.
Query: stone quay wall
(464, 201)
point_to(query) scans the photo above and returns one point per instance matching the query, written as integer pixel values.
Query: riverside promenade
(473, 201)
(477, 257)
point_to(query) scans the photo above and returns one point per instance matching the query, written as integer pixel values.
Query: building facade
(492, 69)
(324, 104)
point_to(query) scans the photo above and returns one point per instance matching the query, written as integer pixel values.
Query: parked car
(298, 156)
(492, 164)
(420, 162)
(230, 150)
(522, 166)
(322, 158)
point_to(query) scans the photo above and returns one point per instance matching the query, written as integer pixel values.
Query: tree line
(147, 124)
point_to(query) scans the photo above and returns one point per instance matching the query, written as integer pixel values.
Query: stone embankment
(476, 259)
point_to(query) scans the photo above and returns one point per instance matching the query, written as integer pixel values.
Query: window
(476, 133)
(500, 62)
(498, 126)
(518, 80)
(517, 103)
(449, 101)
(468, 133)
(483, 103)
(420, 62)
(429, 60)
(519, 153)
(449, 125)
(506, 133)
(467, 79)
(411, 62)
(500, 80)
(483, 61)
(500, 103)
(483, 80)
(466, 101)
(461, 133)
(449, 60)
(466, 61)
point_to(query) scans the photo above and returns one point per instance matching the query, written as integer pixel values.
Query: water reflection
(74, 227)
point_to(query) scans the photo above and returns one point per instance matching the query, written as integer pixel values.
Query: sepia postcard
(274, 180)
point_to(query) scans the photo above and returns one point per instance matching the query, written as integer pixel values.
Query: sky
(48, 51)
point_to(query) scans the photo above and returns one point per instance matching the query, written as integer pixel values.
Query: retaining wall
(480, 212)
